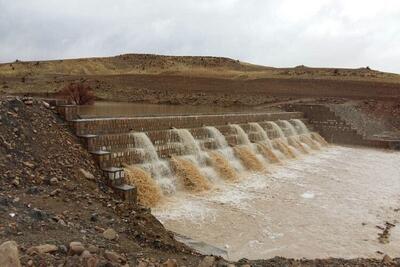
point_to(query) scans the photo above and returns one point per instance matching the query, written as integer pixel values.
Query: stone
(45, 104)
(55, 192)
(114, 257)
(33, 190)
(387, 260)
(142, 264)
(53, 181)
(9, 254)
(93, 249)
(28, 164)
(63, 249)
(170, 263)
(110, 234)
(86, 254)
(92, 262)
(38, 214)
(207, 261)
(94, 217)
(46, 248)
(86, 174)
(76, 248)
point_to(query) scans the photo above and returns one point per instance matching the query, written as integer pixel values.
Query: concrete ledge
(123, 125)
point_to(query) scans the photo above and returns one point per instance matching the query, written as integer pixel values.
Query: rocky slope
(47, 201)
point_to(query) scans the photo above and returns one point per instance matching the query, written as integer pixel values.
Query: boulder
(114, 257)
(170, 263)
(208, 261)
(110, 234)
(46, 248)
(86, 174)
(9, 254)
(76, 248)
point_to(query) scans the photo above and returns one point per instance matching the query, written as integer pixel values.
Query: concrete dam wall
(162, 155)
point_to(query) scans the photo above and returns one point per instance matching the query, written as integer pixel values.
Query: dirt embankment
(45, 199)
(61, 216)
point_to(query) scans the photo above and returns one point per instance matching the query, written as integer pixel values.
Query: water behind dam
(325, 204)
(122, 109)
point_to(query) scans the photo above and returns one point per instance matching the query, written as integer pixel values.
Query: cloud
(340, 33)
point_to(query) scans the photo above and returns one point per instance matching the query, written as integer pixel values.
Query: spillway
(198, 159)
(256, 185)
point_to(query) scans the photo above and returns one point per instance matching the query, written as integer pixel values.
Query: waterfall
(268, 153)
(148, 192)
(189, 175)
(316, 136)
(191, 146)
(265, 145)
(242, 137)
(244, 140)
(300, 126)
(159, 169)
(223, 166)
(287, 150)
(199, 167)
(249, 159)
(305, 135)
(259, 130)
(289, 129)
(219, 138)
(194, 157)
(224, 149)
(296, 142)
(277, 130)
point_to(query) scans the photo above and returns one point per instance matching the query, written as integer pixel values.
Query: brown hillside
(172, 79)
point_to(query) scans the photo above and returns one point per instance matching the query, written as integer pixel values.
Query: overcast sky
(340, 33)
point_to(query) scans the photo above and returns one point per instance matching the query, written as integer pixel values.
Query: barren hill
(173, 79)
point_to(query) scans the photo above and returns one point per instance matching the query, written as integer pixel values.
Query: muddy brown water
(325, 204)
(122, 109)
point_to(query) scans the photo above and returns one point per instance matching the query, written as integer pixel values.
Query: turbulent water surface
(325, 204)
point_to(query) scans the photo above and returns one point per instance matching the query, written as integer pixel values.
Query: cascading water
(293, 137)
(249, 159)
(246, 151)
(265, 145)
(223, 166)
(316, 136)
(268, 153)
(301, 128)
(193, 154)
(191, 147)
(148, 192)
(306, 135)
(189, 175)
(158, 169)
(192, 171)
(224, 149)
(280, 141)
(276, 129)
(242, 137)
(312, 138)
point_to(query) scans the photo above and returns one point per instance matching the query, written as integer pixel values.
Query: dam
(255, 185)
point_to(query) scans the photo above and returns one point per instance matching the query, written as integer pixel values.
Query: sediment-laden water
(325, 204)
(275, 189)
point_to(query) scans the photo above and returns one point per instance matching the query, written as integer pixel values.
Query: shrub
(78, 93)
